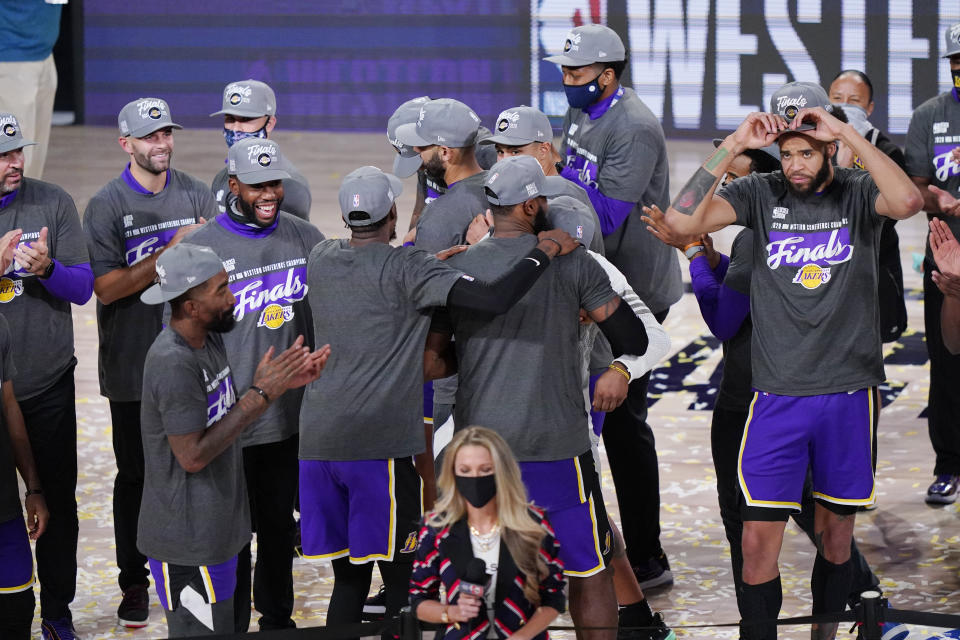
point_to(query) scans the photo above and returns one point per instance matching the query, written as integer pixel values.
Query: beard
(822, 174)
(540, 222)
(151, 164)
(224, 323)
(250, 214)
(433, 167)
(4, 189)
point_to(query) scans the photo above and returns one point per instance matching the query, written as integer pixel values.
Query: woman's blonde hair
(518, 530)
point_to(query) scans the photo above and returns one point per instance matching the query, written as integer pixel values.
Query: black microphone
(475, 578)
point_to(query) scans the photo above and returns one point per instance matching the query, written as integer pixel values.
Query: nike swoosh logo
(534, 261)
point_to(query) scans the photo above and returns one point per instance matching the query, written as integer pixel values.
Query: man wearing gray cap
(613, 147)
(249, 110)
(195, 515)
(816, 355)
(408, 162)
(931, 143)
(519, 371)
(265, 251)
(50, 271)
(128, 223)
(361, 423)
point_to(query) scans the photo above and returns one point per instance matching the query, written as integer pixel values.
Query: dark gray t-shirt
(41, 324)
(197, 518)
(372, 304)
(9, 489)
(268, 276)
(444, 221)
(933, 134)
(122, 228)
(296, 191)
(813, 290)
(520, 372)
(623, 153)
(736, 387)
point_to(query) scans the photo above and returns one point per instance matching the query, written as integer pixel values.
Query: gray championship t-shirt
(373, 305)
(736, 389)
(268, 276)
(813, 290)
(933, 134)
(41, 324)
(296, 191)
(520, 372)
(198, 518)
(122, 228)
(9, 489)
(443, 224)
(623, 153)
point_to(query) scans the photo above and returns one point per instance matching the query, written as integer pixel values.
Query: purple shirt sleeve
(722, 308)
(73, 283)
(612, 212)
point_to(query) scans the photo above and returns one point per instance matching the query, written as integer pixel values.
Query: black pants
(272, 475)
(726, 433)
(632, 454)
(16, 615)
(943, 410)
(51, 421)
(127, 492)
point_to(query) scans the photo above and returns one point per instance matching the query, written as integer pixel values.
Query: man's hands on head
(556, 242)
(946, 253)
(828, 128)
(293, 368)
(758, 130)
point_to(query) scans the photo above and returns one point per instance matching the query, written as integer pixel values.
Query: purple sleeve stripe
(723, 309)
(73, 283)
(612, 212)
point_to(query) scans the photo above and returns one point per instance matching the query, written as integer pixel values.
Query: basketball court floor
(914, 548)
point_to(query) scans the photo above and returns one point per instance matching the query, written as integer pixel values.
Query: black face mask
(477, 490)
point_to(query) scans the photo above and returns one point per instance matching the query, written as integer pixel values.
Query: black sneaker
(654, 572)
(944, 489)
(655, 629)
(375, 607)
(134, 609)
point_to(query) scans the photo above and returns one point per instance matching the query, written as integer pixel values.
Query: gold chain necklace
(486, 541)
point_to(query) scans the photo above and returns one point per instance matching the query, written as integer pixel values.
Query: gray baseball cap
(256, 160)
(793, 96)
(951, 38)
(181, 268)
(143, 116)
(370, 190)
(519, 126)
(588, 44)
(11, 137)
(248, 99)
(445, 121)
(519, 178)
(407, 161)
(569, 214)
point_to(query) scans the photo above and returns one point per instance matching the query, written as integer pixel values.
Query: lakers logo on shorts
(10, 289)
(411, 543)
(274, 316)
(812, 276)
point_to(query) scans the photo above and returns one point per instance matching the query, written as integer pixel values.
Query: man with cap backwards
(934, 167)
(249, 110)
(816, 350)
(519, 373)
(128, 223)
(613, 146)
(361, 424)
(50, 271)
(195, 515)
(265, 251)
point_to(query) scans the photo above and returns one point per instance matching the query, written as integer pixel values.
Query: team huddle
(256, 369)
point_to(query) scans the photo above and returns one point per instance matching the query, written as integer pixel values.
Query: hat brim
(406, 166)
(13, 145)
(507, 140)
(261, 176)
(407, 135)
(243, 113)
(143, 132)
(396, 185)
(156, 295)
(566, 61)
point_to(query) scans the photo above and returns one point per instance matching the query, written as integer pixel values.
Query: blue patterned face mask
(233, 137)
(581, 96)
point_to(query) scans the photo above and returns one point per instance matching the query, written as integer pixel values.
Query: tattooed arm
(696, 209)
